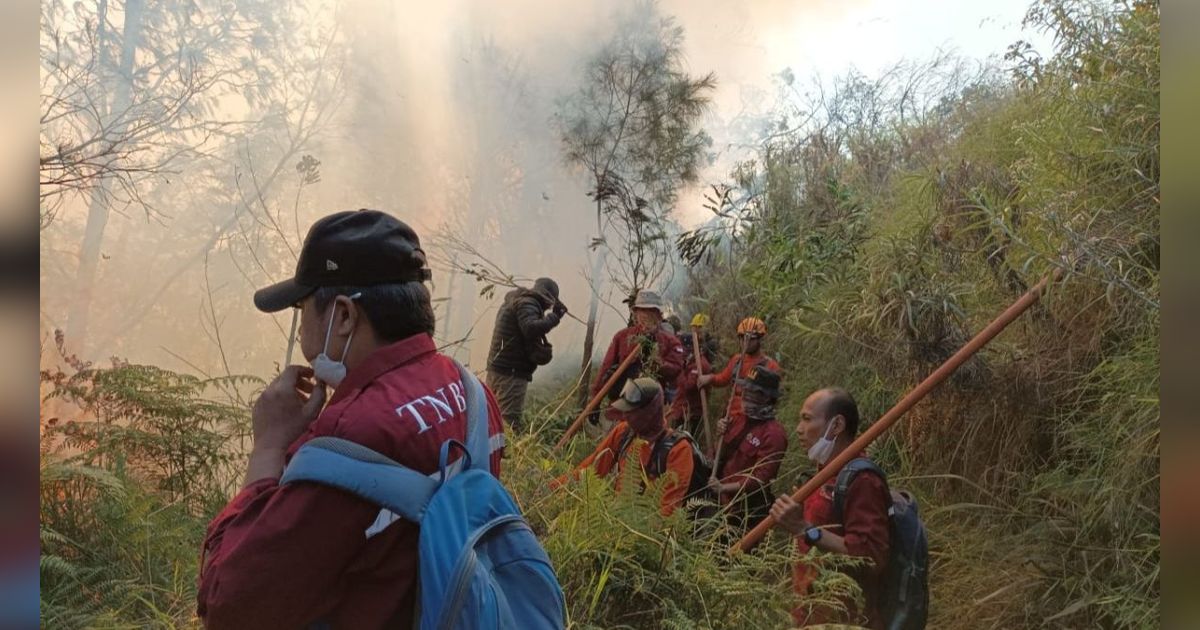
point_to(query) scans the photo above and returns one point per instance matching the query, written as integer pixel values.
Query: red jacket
(755, 462)
(677, 476)
(726, 377)
(865, 528)
(286, 556)
(686, 406)
(670, 357)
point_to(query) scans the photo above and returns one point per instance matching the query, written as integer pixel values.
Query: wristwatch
(812, 535)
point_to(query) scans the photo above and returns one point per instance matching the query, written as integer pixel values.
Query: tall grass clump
(875, 250)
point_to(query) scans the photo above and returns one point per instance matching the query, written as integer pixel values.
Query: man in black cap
(752, 457)
(519, 343)
(303, 554)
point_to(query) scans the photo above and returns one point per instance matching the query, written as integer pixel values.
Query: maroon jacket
(755, 462)
(670, 357)
(726, 377)
(286, 556)
(865, 529)
(686, 406)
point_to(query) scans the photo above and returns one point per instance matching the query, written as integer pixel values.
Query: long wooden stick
(287, 359)
(587, 409)
(831, 469)
(703, 394)
(737, 373)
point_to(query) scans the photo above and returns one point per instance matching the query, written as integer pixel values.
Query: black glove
(560, 309)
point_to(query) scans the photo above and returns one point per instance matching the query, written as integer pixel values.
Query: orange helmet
(752, 325)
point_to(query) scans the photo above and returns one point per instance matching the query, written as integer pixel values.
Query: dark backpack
(905, 601)
(701, 467)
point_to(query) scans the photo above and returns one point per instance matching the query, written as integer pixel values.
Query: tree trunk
(93, 236)
(589, 338)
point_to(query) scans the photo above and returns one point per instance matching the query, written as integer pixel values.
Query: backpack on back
(481, 567)
(657, 466)
(905, 601)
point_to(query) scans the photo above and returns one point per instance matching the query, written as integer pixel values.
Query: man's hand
(703, 380)
(722, 426)
(286, 407)
(560, 309)
(790, 515)
(280, 415)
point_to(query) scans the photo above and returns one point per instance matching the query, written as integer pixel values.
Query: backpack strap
(356, 469)
(662, 449)
(623, 445)
(367, 474)
(478, 439)
(846, 477)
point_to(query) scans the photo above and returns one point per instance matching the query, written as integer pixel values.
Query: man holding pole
(660, 355)
(687, 409)
(853, 524)
(752, 459)
(750, 333)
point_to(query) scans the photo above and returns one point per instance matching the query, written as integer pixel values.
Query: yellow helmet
(752, 325)
(700, 320)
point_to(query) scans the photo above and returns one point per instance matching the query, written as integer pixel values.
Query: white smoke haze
(443, 114)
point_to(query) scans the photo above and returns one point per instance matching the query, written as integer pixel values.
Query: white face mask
(326, 369)
(823, 448)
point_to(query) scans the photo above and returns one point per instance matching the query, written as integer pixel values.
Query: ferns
(127, 487)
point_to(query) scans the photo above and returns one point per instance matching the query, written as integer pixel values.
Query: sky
(746, 43)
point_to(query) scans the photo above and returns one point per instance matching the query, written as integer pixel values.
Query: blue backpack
(481, 567)
(905, 601)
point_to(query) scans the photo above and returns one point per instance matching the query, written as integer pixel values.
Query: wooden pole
(831, 469)
(737, 369)
(703, 394)
(587, 409)
(287, 359)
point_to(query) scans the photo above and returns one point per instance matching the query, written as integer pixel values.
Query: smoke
(442, 113)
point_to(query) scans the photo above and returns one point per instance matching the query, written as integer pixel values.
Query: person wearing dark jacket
(519, 344)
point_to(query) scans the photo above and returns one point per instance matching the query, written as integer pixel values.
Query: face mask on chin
(325, 369)
(823, 448)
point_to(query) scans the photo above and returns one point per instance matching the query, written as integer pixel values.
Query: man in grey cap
(660, 353)
(663, 453)
(519, 343)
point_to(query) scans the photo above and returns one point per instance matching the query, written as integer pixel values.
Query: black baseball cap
(355, 248)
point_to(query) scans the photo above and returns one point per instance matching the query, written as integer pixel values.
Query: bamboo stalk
(587, 409)
(703, 394)
(287, 359)
(831, 469)
(737, 373)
